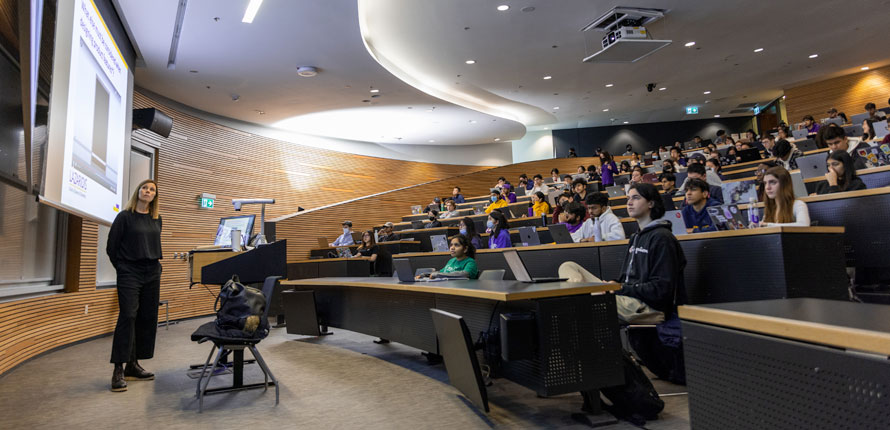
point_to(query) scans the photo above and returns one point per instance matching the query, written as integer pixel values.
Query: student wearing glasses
(781, 208)
(841, 175)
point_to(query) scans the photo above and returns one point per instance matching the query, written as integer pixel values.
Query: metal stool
(166, 304)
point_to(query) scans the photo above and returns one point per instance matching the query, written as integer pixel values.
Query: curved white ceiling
(220, 57)
(427, 43)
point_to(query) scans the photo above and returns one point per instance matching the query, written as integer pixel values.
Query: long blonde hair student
(781, 208)
(134, 199)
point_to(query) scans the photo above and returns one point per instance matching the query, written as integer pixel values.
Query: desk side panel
(740, 380)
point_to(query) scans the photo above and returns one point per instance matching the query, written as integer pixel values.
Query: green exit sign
(692, 110)
(206, 203)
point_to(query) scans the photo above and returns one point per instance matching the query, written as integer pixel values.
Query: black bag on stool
(239, 307)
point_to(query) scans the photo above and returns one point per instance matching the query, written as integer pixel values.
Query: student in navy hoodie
(695, 212)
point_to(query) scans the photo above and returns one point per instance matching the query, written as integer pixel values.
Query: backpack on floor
(635, 401)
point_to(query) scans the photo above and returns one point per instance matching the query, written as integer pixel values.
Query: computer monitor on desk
(243, 223)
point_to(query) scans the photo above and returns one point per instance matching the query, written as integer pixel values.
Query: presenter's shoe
(135, 372)
(118, 383)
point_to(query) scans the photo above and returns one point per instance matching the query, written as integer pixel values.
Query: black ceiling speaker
(153, 120)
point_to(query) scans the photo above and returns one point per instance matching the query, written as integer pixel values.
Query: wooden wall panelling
(201, 156)
(848, 94)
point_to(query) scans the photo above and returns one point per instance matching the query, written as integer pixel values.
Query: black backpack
(635, 401)
(239, 307)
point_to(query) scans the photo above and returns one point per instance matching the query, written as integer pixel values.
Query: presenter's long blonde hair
(134, 199)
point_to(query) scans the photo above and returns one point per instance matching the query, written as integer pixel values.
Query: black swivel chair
(208, 332)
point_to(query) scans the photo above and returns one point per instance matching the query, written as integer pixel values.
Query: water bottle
(543, 220)
(753, 217)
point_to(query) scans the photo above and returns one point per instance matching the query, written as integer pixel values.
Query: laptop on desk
(560, 233)
(439, 242)
(800, 134)
(747, 155)
(806, 145)
(727, 217)
(615, 191)
(858, 118)
(812, 166)
(520, 272)
(529, 236)
(678, 226)
(881, 128)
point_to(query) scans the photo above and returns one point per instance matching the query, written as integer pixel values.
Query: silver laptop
(800, 134)
(520, 191)
(658, 165)
(529, 236)
(836, 121)
(520, 272)
(881, 128)
(439, 242)
(615, 191)
(858, 118)
(678, 226)
(800, 190)
(812, 166)
(739, 191)
(576, 176)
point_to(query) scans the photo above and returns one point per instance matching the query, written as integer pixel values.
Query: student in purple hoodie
(500, 234)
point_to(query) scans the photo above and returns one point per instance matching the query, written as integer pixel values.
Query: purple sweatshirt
(609, 169)
(501, 241)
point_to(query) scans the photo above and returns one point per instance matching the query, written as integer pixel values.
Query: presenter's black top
(134, 237)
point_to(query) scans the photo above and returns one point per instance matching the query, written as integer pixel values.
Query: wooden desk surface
(845, 195)
(858, 326)
(420, 230)
(328, 260)
(859, 172)
(397, 242)
(493, 290)
(685, 237)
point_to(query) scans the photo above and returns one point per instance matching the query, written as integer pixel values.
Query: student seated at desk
(841, 175)
(592, 173)
(368, 248)
(344, 239)
(782, 209)
(868, 130)
(450, 210)
(605, 225)
(677, 156)
(786, 154)
(762, 167)
(457, 196)
(508, 194)
(810, 124)
(496, 202)
(567, 182)
(386, 234)
(579, 186)
(668, 166)
(694, 212)
(836, 139)
(652, 283)
(462, 263)
(554, 175)
(468, 228)
(713, 165)
(624, 167)
(669, 185)
(636, 175)
(500, 234)
(539, 185)
(540, 206)
(433, 220)
(574, 221)
(559, 210)
(501, 181)
(730, 158)
(697, 171)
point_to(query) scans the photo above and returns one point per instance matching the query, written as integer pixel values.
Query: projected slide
(88, 116)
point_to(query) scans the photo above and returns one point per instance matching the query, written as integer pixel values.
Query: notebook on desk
(521, 273)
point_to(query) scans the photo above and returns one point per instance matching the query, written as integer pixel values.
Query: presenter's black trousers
(138, 293)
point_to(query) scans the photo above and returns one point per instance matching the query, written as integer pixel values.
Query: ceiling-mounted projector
(626, 40)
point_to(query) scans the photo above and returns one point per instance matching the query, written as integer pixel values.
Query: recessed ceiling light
(606, 110)
(716, 116)
(706, 92)
(431, 141)
(250, 12)
(662, 88)
(814, 55)
(758, 50)
(497, 139)
(864, 68)
(375, 90)
(625, 122)
(688, 44)
(429, 110)
(472, 121)
(555, 107)
(610, 85)
(470, 61)
(546, 128)
(193, 71)
(503, 7)
(548, 77)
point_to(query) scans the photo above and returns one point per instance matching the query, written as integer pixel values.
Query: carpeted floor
(339, 381)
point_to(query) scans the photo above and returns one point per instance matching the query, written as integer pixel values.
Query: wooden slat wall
(201, 157)
(302, 229)
(848, 94)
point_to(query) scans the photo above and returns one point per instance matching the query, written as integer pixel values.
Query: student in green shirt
(462, 264)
